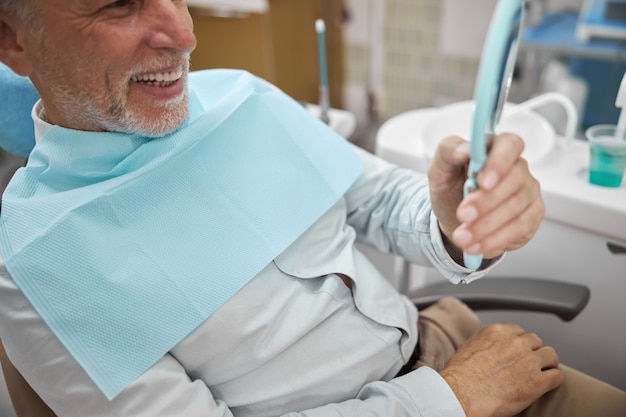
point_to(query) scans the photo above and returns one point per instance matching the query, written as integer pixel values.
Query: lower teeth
(157, 83)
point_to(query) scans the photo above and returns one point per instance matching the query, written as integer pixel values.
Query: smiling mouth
(158, 79)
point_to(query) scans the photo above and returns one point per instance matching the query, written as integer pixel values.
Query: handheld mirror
(491, 90)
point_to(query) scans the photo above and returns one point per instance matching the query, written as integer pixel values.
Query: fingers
(547, 358)
(512, 235)
(552, 378)
(452, 154)
(533, 341)
(506, 210)
(452, 151)
(449, 164)
(446, 175)
(509, 227)
(498, 330)
(504, 153)
(514, 184)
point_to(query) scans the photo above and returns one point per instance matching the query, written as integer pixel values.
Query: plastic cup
(607, 155)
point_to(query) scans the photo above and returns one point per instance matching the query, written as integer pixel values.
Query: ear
(12, 52)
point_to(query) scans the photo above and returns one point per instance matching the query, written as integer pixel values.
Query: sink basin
(456, 119)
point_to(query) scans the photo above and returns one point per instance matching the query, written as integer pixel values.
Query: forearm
(421, 393)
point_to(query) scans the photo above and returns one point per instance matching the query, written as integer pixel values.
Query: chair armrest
(562, 299)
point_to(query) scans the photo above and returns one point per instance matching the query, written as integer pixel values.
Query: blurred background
(386, 57)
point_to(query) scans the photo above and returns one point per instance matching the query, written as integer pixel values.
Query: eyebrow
(88, 3)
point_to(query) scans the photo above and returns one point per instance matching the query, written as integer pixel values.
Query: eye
(118, 4)
(123, 4)
(121, 8)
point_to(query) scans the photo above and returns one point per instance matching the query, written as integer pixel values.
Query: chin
(160, 131)
(168, 121)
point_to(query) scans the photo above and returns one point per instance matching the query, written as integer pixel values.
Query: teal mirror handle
(491, 90)
(472, 262)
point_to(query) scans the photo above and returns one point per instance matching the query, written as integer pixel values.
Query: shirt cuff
(431, 394)
(455, 273)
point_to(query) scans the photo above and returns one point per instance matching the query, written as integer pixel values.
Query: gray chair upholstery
(25, 400)
(563, 299)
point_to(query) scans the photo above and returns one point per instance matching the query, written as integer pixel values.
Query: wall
(420, 65)
(416, 73)
(279, 45)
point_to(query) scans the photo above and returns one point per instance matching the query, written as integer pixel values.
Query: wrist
(454, 251)
(456, 388)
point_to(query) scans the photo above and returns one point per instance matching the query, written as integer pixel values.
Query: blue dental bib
(125, 244)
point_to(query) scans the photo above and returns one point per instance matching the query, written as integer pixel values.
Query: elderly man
(182, 244)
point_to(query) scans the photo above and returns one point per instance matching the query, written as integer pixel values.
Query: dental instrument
(620, 101)
(493, 82)
(320, 28)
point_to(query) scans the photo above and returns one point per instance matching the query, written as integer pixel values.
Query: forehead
(66, 4)
(59, 12)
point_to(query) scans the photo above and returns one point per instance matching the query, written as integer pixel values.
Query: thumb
(446, 176)
(449, 164)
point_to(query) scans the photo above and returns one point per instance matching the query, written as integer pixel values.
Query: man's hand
(501, 370)
(506, 210)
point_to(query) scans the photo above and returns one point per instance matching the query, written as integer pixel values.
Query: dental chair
(565, 300)
(25, 400)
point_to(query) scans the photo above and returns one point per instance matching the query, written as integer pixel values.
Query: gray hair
(13, 7)
(22, 9)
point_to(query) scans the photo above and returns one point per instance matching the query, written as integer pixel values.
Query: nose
(172, 26)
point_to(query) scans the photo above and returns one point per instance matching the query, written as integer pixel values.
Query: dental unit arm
(620, 101)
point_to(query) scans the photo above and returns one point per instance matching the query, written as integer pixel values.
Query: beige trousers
(444, 326)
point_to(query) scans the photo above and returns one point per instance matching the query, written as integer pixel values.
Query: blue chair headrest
(17, 97)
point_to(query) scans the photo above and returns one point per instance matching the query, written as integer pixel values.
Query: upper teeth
(159, 76)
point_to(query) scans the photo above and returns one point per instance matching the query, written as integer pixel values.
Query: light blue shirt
(295, 341)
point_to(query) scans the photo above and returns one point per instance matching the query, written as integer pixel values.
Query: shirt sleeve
(389, 208)
(166, 390)
(421, 393)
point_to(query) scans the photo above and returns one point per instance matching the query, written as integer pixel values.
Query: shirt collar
(38, 115)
